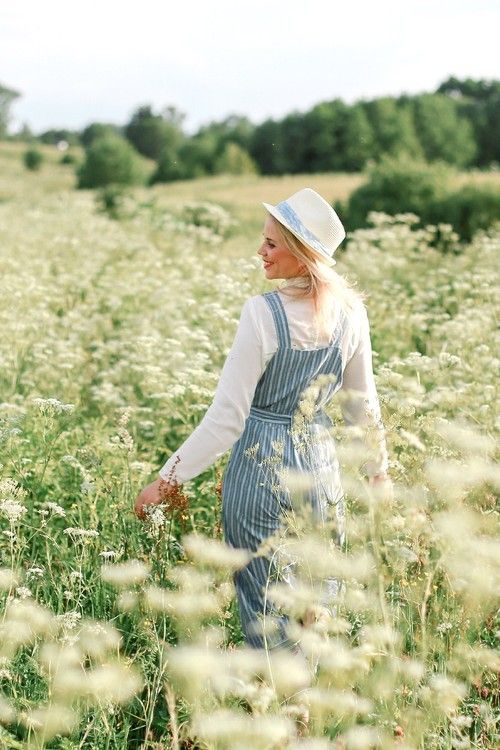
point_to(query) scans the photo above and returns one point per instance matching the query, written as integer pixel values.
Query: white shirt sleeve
(225, 418)
(360, 404)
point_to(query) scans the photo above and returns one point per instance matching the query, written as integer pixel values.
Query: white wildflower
(55, 509)
(336, 702)
(446, 693)
(8, 579)
(108, 554)
(126, 573)
(224, 726)
(112, 682)
(96, 638)
(185, 606)
(12, 510)
(362, 738)
(69, 620)
(35, 572)
(52, 406)
(7, 713)
(23, 592)
(50, 720)
(127, 601)
(80, 534)
(215, 553)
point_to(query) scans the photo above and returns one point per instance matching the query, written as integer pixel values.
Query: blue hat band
(296, 225)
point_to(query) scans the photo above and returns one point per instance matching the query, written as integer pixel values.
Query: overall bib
(252, 500)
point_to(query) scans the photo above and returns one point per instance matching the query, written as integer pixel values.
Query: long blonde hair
(321, 283)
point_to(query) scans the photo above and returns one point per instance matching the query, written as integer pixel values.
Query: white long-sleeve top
(254, 344)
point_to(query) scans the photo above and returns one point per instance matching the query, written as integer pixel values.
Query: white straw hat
(312, 220)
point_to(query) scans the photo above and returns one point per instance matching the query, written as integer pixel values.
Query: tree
(267, 148)
(393, 128)
(151, 134)
(110, 160)
(199, 154)
(233, 129)
(97, 130)
(235, 160)
(481, 90)
(479, 102)
(321, 136)
(55, 135)
(7, 96)
(356, 139)
(442, 132)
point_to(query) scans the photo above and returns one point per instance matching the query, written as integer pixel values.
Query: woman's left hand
(382, 484)
(154, 494)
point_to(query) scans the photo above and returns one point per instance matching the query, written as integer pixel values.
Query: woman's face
(279, 262)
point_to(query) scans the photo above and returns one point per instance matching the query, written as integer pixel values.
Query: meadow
(116, 634)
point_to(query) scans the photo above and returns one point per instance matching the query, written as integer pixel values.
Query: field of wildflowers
(116, 634)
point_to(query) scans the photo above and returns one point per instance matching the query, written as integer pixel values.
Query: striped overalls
(252, 501)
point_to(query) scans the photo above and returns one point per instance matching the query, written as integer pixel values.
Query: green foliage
(68, 158)
(110, 160)
(235, 160)
(98, 130)
(33, 159)
(467, 210)
(442, 132)
(53, 136)
(169, 167)
(268, 150)
(198, 154)
(393, 129)
(396, 186)
(7, 96)
(154, 135)
(111, 200)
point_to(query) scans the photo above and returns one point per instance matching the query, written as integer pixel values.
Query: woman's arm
(225, 419)
(360, 405)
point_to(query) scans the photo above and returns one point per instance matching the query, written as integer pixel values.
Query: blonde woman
(312, 329)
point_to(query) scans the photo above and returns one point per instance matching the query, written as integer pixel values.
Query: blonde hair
(323, 284)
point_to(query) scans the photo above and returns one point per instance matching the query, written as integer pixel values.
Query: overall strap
(280, 320)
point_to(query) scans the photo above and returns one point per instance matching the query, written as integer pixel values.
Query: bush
(111, 200)
(208, 215)
(33, 159)
(396, 186)
(110, 160)
(68, 159)
(468, 210)
(408, 187)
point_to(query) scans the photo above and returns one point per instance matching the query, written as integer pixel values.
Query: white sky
(76, 62)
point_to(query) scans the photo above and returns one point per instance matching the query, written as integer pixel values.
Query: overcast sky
(76, 62)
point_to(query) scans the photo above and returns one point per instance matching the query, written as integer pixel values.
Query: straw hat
(312, 220)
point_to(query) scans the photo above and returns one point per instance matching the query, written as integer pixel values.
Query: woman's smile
(287, 265)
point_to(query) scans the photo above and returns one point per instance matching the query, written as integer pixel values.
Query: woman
(313, 329)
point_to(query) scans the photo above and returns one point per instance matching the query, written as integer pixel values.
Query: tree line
(459, 124)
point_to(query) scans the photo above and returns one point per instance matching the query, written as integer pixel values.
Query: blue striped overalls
(252, 501)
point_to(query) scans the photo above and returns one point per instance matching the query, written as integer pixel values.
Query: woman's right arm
(360, 405)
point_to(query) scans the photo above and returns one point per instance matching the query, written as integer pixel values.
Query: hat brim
(324, 256)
